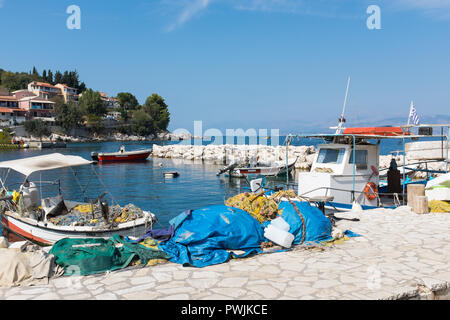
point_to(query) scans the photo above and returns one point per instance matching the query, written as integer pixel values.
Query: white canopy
(27, 166)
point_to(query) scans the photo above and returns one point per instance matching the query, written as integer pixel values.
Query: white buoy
(171, 174)
(280, 237)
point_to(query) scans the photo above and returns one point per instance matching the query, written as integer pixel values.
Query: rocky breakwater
(226, 154)
(418, 164)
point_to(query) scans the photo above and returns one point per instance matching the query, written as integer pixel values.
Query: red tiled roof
(8, 98)
(11, 110)
(43, 84)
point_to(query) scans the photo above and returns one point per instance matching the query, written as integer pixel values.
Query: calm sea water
(143, 183)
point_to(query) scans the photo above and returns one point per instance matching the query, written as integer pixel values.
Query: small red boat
(121, 155)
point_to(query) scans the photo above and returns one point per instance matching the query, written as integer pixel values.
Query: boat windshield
(329, 155)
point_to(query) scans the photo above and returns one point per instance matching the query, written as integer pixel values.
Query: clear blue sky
(248, 63)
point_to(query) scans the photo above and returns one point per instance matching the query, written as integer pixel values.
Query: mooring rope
(301, 217)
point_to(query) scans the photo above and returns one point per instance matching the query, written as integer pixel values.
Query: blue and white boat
(345, 174)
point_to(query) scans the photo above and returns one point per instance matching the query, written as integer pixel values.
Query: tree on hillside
(37, 128)
(157, 108)
(5, 135)
(142, 123)
(35, 73)
(68, 116)
(58, 77)
(50, 76)
(82, 87)
(128, 102)
(91, 103)
(15, 81)
(59, 101)
(94, 122)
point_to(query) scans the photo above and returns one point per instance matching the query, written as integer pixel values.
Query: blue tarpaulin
(202, 237)
(317, 226)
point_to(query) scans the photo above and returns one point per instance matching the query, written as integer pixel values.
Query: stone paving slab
(401, 255)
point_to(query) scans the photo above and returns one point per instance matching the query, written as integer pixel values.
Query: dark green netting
(97, 255)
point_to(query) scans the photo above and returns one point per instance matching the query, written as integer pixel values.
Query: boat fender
(356, 207)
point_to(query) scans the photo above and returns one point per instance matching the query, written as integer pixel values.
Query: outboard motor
(229, 167)
(94, 156)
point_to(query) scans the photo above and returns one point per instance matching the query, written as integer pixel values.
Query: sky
(274, 64)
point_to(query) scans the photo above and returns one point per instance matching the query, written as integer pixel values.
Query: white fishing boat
(29, 217)
(345, 172)
(275, 169)
(345, 175)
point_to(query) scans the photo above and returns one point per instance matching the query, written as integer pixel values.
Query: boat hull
(264, 171)
(103, 157)
(38, 233)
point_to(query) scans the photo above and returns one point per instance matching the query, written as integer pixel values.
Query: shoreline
(406, 258)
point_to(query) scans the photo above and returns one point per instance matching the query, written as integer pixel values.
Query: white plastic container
(280, 237)
(280, 223)
(30, 195)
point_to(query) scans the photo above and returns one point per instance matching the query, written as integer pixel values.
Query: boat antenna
(342, 119)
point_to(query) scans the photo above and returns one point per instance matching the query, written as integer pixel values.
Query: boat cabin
(339, 168)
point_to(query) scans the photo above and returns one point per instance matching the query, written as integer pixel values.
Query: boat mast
(342, 119)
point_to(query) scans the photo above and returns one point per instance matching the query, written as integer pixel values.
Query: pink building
(37, 107)
(10, 113)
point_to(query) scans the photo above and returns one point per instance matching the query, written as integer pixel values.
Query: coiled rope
(301, 217)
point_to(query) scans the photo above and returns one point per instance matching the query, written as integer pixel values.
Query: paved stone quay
(401, 255)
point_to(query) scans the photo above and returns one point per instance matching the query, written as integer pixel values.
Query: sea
(143, 183)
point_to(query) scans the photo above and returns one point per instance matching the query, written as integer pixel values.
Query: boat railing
(394, 195)
(38, 183)
(426, 162)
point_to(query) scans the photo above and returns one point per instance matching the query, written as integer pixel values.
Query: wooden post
(415, 190)
(421, 205)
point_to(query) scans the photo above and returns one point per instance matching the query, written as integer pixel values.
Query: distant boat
(273, 170)
(121, 155)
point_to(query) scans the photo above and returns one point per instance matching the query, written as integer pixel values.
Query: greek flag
(413, 117)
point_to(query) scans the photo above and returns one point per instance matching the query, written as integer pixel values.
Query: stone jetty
(225, 154)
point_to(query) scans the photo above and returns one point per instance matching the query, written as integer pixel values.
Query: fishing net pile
(437, 206)
(261, 207)
(91, 215)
